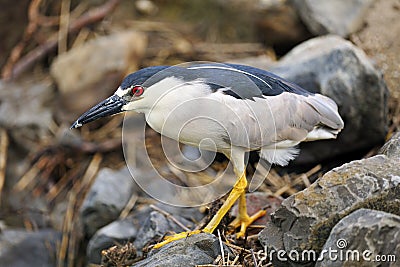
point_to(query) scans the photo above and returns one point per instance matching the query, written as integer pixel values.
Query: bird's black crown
(141, 76)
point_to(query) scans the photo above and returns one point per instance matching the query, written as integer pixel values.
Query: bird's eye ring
(137, 90)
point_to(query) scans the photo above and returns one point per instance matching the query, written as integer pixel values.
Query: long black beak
(107, 107)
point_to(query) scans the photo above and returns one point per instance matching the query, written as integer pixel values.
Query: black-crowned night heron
(239, 108)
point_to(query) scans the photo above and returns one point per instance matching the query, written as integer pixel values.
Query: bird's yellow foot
(243, 221)
(169, 239)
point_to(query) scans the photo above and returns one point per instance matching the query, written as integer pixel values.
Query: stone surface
(155, 227)
(117, 232)
(392, 147)
(19, 248)
(26, 110)
(93, 70)
(193, 250)
(334, 16)
(369, 232)
(107, 197)
(334, 67)
(305, 219)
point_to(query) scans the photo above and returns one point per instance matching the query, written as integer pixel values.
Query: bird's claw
(243, 221)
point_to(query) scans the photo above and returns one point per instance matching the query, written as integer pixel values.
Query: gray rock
(107, 197)
(334, 16)
(335, 67)
(155, 227)
(305, 219)
(19, 248)
(367, 233)
(26, 110)
(193, 250)
(88, 73)
(117, 232)
(189, 214)
(392, 147)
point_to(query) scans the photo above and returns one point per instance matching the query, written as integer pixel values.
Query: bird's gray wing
(245, 82)
(296, 116)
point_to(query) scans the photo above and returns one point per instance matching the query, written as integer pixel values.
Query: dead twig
(29, 31)
(3, 158)
(254, 258)
(128, 207)
(30, 175)
(90, 17)
(62, 184)
(237, 247)
(168, 215)
(75, 200)
(221, 247)
(64, 23)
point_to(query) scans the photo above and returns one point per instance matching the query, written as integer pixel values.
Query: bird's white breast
(184, 112)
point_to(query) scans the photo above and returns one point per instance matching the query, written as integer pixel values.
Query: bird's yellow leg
(237, 191)
(243, 220)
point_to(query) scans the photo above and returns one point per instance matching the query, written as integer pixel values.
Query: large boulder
(21, 248)
(107, 197)
(26, 110)
(335, 67)
(191, 251)
(305, 219)
(366, 237)
(155, 227)
(88, 73)
(117, 232)
(333, 16)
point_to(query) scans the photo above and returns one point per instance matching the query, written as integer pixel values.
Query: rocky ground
(68, 198)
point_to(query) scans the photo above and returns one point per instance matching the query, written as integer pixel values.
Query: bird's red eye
(137, 90)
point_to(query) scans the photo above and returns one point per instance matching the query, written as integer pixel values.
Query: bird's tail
(330, 121)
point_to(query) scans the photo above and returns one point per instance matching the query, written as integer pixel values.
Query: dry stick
(3, 159)
(168, 215)
(46, 173)
(61, 184)
(68, 219)
(30, 29)
(73, 203)
(216, 260)
(237, 247)
(235, 260)
(39, 52)
(128, 207)
(83, 190)
(64, 23)
(30, 175)
(254, 258)
(56, 189)
(221, 247)
(35, 19)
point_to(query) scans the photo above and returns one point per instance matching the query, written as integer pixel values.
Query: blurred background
(58, 58)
